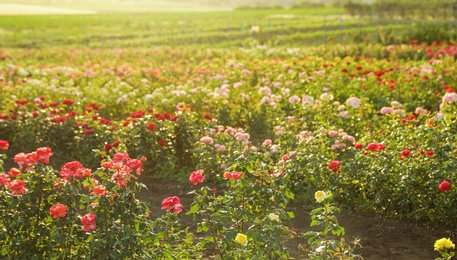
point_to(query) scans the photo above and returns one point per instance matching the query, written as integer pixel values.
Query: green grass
(205, 29)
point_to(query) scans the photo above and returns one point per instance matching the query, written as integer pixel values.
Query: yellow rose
(442, 243)
(273, 217)
(320, 196)
(241, 239)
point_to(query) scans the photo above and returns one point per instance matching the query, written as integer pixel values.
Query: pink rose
(88, 222)
(172, 203)
(196, 177)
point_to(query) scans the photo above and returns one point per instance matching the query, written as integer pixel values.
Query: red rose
(208, 116)
(358, 146)
(58, 211)
(405, 152)
(67, 102)
(162, 143)
(372, 146)
(444, 186)
(151, 127)
(4, 145)
(334, 165)
(429, 153)
(108, 147)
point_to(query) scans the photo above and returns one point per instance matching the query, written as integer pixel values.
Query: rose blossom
(206, 140)
(58, 211)
(172, 203)
(4, 145)
(444, 186)
(334, 165)
(17, 187)
(232, 175)
(267, 142)
(196, 177)
(353, 102)
(43, 154)
(14, 172)
(88, 222)
(405, 152)
(4, 180)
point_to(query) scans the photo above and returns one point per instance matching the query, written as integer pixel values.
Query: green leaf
(291, 214)
(193, 209)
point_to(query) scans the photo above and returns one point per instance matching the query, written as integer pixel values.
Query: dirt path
(380, 239)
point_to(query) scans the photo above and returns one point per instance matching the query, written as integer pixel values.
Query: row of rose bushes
(78, 213)
(389, 124)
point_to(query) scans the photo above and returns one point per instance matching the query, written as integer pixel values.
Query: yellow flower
(442, 243)
(320, 196)
(273, 217)
(241, 239)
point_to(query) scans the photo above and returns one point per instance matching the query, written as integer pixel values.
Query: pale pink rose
(285, 91)
(265, 90)
(223, 166)
(344, 114)
(353, 102)
(450, 97)
(265, 99)
(386, 110)
(238, 85)
(400, 112)
(326, 96)
(332, 133)
(349, 138)
(421, 111)
(220, 148)
(206, 140)
(294, 99)
(230, 130)
(267, 142)
(307, 100)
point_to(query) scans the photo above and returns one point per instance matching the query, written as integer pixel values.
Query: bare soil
(380, 239)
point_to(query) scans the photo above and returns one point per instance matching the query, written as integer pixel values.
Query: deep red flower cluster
(334, 165)
(232, 175)
(375, 146)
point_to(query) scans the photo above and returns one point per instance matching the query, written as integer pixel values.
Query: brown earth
(380, 239)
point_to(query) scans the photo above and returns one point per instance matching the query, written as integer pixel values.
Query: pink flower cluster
(123, 165)
(74, 169)
(41, 154)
